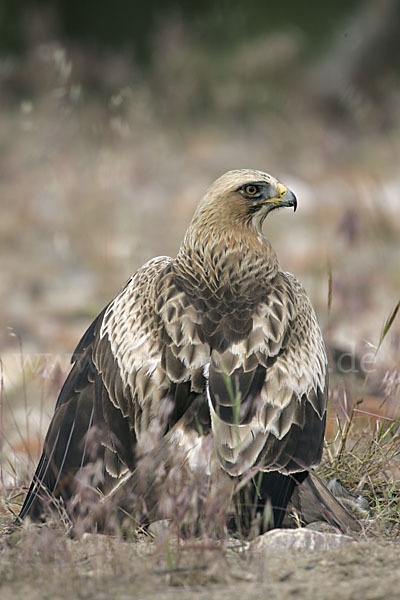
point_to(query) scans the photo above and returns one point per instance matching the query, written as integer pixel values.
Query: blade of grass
(387, 325)
(329, 268)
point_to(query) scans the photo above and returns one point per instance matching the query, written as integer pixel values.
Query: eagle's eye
(251, 190)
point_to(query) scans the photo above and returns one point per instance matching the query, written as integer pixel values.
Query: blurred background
(115, 118)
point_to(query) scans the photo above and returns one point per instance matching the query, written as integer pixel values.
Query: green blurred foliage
(130, 24)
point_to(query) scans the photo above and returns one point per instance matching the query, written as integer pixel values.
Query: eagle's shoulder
(127, 350)
(149, 343)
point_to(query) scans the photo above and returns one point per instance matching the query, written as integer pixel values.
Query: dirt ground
(41, 564)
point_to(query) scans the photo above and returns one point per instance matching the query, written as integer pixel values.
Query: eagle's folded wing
(268, 394)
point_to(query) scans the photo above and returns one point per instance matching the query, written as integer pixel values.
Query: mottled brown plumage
(219, 339)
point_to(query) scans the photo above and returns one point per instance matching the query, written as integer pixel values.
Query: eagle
(218, 346)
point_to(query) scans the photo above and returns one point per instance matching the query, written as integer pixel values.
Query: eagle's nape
(217, 352)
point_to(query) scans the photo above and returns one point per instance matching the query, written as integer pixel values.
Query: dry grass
(367, 462)
(366, 458)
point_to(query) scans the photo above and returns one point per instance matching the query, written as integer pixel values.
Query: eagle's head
(245, 197)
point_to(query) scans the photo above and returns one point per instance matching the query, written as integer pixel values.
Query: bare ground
(41, 564)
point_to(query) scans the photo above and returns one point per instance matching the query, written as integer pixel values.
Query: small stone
(309, 566)
(298, 539)
(159, 528)
(285, 576)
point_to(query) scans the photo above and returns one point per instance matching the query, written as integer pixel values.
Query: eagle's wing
(118, 364)
(150, 343)
(271, 409)
(65, 450)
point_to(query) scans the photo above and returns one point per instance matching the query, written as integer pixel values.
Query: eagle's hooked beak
(285, 197)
